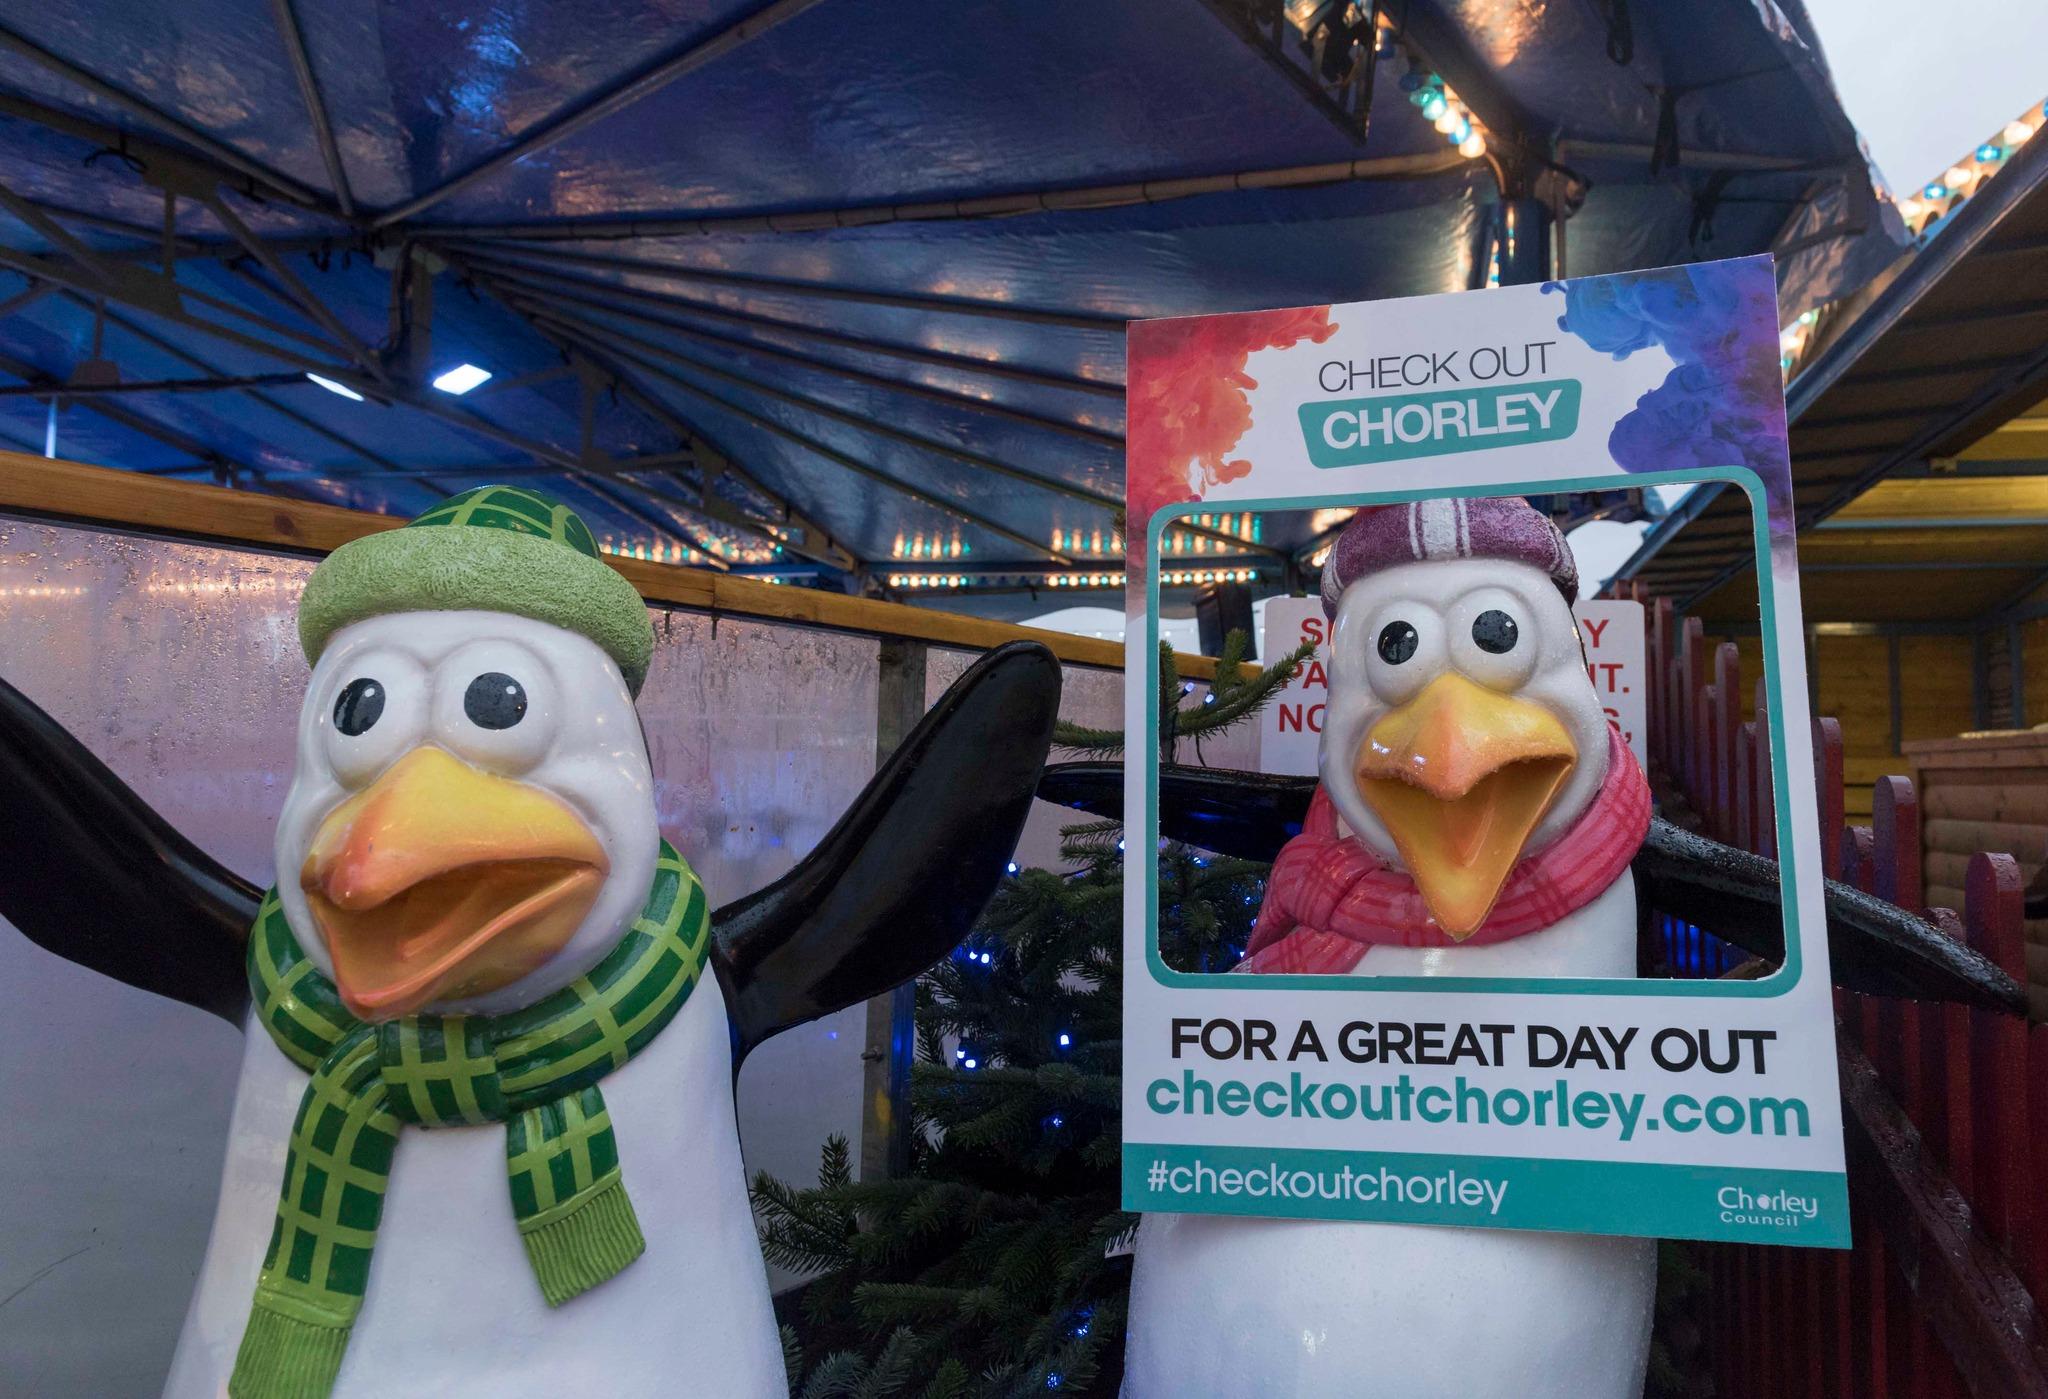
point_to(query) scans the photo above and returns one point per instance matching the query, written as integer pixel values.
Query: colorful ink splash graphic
(1188, 405)
(1723, 402)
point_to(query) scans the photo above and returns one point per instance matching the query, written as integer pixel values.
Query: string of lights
(1924, 214)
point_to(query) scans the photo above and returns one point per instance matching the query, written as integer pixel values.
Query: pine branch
(1242, 698)
(891, 1371)
(1109, 742)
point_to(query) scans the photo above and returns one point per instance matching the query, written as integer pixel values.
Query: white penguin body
(482, 708)
(453, 1309)
(1224, 1306)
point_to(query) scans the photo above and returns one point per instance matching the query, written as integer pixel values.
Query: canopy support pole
(316, 106)
(552, 286)
(1522, 234)
(614, 99)
(746, 282)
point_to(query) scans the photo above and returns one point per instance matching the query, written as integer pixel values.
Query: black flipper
(94, 875)
(1873, 946)
(900, 880)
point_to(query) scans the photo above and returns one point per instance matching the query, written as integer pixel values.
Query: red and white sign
(1291, 727)
(1615, 660)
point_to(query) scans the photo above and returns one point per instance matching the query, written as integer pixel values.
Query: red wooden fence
(1943, 1107)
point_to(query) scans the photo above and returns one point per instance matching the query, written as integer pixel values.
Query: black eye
(1397, 642)
(494, 700)
(358, 705)
(1495, 631)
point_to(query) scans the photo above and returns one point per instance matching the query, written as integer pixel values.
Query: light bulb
(1472, 147)
(1447, 119)
(1958, 176)
(2016, 133)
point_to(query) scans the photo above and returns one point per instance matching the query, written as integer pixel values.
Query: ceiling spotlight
(461, 379)
(343, 389)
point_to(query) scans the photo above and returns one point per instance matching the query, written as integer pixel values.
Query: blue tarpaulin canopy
(826, 287)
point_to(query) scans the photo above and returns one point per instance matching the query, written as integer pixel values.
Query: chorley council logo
(1781, 1208)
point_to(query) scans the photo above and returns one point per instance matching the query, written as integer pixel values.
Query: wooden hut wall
(1852, 679)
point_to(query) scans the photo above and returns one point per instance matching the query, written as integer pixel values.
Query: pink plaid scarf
(1330, 898)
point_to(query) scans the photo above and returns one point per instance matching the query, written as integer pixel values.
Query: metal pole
(550, 285)
(316, 108)
(822, 291)
(1438, 161)
(605, 104)
(830, 454)
(1522, 228)
(198, 140)
(891, 1017)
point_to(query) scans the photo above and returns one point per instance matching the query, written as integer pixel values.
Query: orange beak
(441, 881)
(1461, 775)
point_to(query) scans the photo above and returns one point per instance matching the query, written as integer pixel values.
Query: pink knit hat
(1493, 527)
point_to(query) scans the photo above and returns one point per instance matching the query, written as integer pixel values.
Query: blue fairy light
(1935, 190)
(1052, 1381)
(1013, 867)
(972, 1064)
(959, 1054)
(1065, 1039)
(1990, 151)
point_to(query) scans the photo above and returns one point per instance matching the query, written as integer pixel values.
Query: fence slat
(1952, 1225)
(1895, 876)
(1726, 714)
(1998, 1043)
(1827, 781)
(2036, 1259)
(1967, 1291)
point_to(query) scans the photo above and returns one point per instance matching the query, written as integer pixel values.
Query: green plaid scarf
(535, 1070)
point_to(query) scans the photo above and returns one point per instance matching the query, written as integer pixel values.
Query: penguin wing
(97, 877)
(1874, 946)
(1245, 815)
(900, 880)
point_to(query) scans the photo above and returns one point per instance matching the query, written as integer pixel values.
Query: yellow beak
(1461, 775)
(441, 881)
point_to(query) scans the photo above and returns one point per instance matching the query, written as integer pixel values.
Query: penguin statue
(1476, 816)
(483, 1141)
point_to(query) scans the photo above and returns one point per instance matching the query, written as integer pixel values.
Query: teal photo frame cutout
(1776, 984)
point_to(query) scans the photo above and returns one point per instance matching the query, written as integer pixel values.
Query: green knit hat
(494, 549)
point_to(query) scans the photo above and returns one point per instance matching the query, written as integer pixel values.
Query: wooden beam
(71, 493)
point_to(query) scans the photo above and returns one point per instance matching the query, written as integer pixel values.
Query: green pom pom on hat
(492, 549)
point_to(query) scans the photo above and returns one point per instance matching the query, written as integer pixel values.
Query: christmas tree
(995, 1267)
